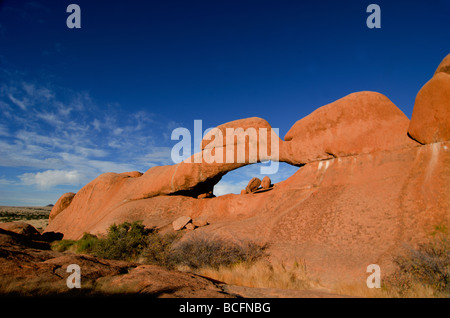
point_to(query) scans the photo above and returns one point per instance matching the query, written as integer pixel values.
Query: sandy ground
(36, 216)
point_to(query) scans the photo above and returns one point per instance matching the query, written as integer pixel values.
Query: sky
(75, 103)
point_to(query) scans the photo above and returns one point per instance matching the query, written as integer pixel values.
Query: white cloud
(64, 139)
(50, 118)
(7, 182)
(158, 155)
(110, 166)
(229, 187)
(35, 138)
(118, 131)
(63, 110)
(90, 152)
(38, 92)
(50, 178)
(21, 103)
(96, 124)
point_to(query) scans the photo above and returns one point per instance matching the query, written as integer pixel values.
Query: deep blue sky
(78, 102)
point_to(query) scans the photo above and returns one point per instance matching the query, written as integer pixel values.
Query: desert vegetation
(263, 274)
(423, 271)
(239, 263)
(134, 242)
(420, 272)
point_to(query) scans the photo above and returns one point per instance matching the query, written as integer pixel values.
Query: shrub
(159, 249)
(133, 242)
(427, 265)
(197, 252)
(123, 242)
(63, 245)
(87, 243)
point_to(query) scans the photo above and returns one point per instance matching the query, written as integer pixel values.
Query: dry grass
(420, 272)
(199, 251)
(358, 290)
(417, 290)
(262, 274)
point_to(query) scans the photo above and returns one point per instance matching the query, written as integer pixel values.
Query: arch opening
(236, 180)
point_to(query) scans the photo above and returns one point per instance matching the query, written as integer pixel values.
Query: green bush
(84, 245)
(87, 243)
(64, 245)
(123, 242)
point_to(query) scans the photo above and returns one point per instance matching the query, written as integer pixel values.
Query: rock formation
(206, 195)
(29, 268)
(32, 269)
(22, 228)
(364, 189)
(430, 121)
(360, 123)
(181, 222)
(30, 232)
(62, 203)
(266, 183)
(253, 185)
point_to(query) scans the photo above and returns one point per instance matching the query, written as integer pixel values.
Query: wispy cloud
(21, 103)
(63, 137)
(53, 137)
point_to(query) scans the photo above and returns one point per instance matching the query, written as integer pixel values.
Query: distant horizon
(28, 206)
(76, 103)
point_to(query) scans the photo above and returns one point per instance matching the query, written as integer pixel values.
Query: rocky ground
(28, 267)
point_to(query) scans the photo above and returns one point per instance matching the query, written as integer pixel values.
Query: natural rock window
(237, 180)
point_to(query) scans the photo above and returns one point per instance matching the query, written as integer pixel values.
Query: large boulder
(266, 183)
(60, 205)
(430, 120)
(444, 66)
(22, 228)
(179, 223)
(253, 185)
(30, 232)
(246, 140)
(358, 123)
